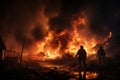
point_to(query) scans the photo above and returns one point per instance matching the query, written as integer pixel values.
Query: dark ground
(34, 71)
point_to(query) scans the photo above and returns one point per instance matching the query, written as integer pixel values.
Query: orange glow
(110, 34)
(81, 19)
(89, 75)
(68, 41)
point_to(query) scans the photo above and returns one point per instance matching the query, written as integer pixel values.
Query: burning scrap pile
(55, 44)
(49, 31)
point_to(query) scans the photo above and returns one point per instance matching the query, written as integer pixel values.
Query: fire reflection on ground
(62, 68)
(89, 75)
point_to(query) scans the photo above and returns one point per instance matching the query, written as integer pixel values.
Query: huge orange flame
(68, 41)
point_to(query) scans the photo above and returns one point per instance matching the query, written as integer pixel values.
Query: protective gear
(81, 55)
(101, 55)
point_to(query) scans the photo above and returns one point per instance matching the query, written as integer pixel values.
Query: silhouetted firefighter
(101, 55)
(81, 55)
(2, 47)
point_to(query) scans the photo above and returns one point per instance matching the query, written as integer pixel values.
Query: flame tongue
(54, 45)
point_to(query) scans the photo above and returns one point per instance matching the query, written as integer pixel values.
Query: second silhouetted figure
(101, 55)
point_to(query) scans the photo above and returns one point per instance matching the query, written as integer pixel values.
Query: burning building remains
(46, 30)
(50, 32)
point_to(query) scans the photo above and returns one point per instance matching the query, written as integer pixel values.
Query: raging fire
(68, 41)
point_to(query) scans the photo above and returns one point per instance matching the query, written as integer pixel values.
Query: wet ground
(47, 70)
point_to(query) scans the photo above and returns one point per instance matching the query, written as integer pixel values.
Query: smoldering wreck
(41, 39)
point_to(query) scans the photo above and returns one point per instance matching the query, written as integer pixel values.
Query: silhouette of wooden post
(23, 45)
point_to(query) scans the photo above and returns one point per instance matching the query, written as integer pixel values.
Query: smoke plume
(33, 20)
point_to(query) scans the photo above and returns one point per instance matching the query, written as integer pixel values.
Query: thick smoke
(31, 20)
(26, 20)
(19, 17)
(63, 21)
(103, 17)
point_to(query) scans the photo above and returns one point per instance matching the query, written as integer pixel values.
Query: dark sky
(17, 15)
